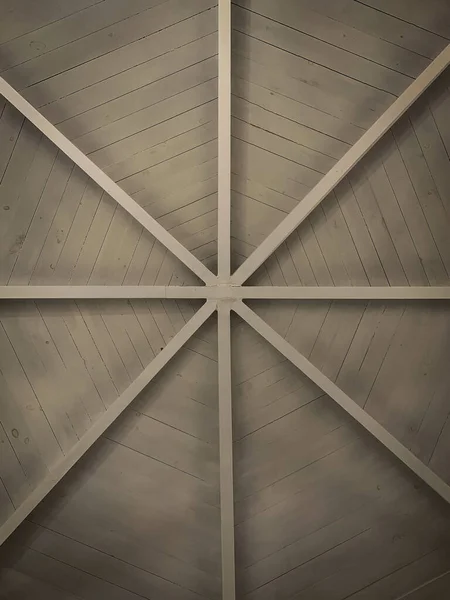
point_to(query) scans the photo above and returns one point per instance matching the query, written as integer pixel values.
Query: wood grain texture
(385, 223)
(135, 88)
(390, 358)
(158, 533)
(321, 510)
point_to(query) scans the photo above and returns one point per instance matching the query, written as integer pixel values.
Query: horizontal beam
(218, 292)
(105, 182)
(343, 293)
(100, 292)
(57, 472)
(342, 167)
(344, 401)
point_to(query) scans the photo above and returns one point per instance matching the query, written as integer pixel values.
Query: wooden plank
(99, 427)
(68, 29)
(345, 402)
(105, 182)
(23, 18)
(34, 74)
(290, 29)
(382, 26)
(432, 18)
(331, 22)
(226, 452)
(349, 160)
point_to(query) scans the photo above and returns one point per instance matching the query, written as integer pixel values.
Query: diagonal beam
(226, 452)
(342, 167)
(344, 401)
(57, 472)
(105, 182)
(342, 293)
(224, 141)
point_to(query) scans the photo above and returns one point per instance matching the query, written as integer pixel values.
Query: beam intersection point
(225, 292)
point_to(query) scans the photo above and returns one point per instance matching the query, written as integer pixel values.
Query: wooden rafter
(226, 452)
(222, 292)
(224, 142)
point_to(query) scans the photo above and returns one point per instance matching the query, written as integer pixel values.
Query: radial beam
(226, 452)
(344, 401)
(219, 292)
(57, 472)
(224, 141)
(105, 182)
(342, 167)
(99, 292)
(343, 293)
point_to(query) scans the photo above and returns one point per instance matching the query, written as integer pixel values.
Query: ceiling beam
(226, 452)
(105, 182)
(342, 167)
(219, 292)
(100, 292)
(344, 401)
(343, 293)
(57, 472)
(224, 141)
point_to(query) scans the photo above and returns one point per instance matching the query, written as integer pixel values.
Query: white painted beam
(96, 292)
(220, 292)
(224, 141)
(342, 168)
(105, 182)
(344, 401)
(226, 452)
(99, 427)
(342, 293)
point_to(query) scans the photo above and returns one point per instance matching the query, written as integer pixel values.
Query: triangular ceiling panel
(161, 534)
(322, 511)
(303, 94)
(138, 95)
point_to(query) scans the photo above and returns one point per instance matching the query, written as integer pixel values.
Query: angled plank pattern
(134, 87)
(386, 223)
(164, 450)
(317, 500)
(59, 227)
(287, 139)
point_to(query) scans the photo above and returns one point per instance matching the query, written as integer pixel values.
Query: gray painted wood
(321, 511)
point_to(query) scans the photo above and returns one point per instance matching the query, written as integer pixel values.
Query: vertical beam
(226, 452)
(344, 401)
(105, 182)
(57, 472)
(343, 166)
(224, 141)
